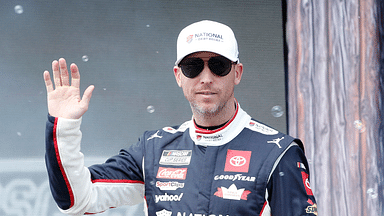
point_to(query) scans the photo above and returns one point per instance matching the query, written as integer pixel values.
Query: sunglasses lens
(191, 67)
(220, 65)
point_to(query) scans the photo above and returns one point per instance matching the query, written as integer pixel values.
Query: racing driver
(222, 162)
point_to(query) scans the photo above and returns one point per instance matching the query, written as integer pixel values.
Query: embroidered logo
(276, 141)
(155, 136)
(312, 209)
(166, 198)
(176, 157)
(163, 213)
(306, 183)
(232, 193)
(300, 165)
(237, 161)
(171, 185)
(171, 173)
(189, 38)
(237, 177)
(210, 138)
(255, 126)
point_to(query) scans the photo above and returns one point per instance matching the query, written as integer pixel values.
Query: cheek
(187, 88)
(229, 86)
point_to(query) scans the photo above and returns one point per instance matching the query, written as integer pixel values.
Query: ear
(177, 72)
(238, 73)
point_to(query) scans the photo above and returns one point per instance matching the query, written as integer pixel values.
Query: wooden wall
(335, 100)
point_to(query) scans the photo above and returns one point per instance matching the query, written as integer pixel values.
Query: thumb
(87, 95)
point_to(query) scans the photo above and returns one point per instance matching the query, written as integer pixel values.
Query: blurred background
(127, 49)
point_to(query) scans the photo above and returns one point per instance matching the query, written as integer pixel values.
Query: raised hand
(64, 100)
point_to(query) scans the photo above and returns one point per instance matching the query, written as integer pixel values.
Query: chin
(209, 110)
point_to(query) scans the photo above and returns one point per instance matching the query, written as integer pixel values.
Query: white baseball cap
(208, 36)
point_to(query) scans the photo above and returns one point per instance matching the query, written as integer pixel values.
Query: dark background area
(127, 49)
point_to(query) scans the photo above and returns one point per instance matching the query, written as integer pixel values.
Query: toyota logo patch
(237, 161)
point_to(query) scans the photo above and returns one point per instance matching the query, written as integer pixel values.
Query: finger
(56, 73)
(64, 72)
(48, 81)
(75, 81)
(87, 96)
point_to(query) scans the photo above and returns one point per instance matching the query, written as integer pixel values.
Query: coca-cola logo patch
(237, 161)
(172, 173)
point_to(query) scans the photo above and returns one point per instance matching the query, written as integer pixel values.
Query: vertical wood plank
(369, 31)
(344, 111)
(380, 99)
(322, 127)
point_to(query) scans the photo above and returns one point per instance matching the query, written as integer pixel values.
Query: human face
(208, 93)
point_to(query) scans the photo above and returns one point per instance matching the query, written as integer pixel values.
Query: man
(221, 162)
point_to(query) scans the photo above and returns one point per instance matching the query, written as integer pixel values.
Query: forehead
(202, 55)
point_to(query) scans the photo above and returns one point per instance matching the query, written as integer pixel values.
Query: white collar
(223, 134)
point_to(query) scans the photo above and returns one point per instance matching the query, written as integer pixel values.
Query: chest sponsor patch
(172, 173)
(168, 198)
(237, 177)
(232, 193)
(237, 161)
(171, 185)
(176, 157)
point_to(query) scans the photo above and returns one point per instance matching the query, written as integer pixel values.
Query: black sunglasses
(219, 65)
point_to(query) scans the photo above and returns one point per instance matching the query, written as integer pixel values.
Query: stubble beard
(207, 112)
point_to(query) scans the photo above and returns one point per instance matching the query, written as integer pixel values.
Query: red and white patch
(198, 137)
(306, 183)
(237, 161)
(172, 173)
(232, 193)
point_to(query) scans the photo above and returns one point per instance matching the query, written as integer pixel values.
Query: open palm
(64, 100)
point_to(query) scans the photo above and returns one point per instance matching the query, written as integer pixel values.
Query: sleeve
(80, 190)
(289, 189)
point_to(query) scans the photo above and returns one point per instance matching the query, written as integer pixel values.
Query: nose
(206, 76)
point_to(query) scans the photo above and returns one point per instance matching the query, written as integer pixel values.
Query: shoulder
(165, 132)
(272, 135)
(293, 161)
(293, 156)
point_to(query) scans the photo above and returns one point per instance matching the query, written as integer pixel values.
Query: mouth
(205, 93)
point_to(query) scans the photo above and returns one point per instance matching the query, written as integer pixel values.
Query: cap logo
(209, 36)
(189, 38)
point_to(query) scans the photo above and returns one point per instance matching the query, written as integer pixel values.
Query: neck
(211, 128)
(217, 118)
